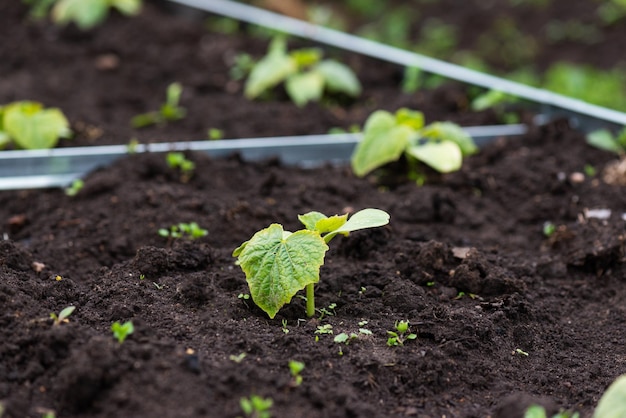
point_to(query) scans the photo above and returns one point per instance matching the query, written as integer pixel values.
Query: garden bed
(504, 314)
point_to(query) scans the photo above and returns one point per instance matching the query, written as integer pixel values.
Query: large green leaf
(383, 141)
(278, 264)
(613, 402)
(33, 127)
(444, 156)
(339, 78)
(305, 87)
(85, 13)
(271, 70)
(449, 131)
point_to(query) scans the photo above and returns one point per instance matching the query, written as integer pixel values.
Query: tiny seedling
(76, 186)
(305, 74)
(295, 368)
(279, 263)
(237, 358)
(256, 407)
(29, 126)
(324, 329)
(178, 161)
(87, 14)
(183, 230)
(62, 316)
(537, 411)
(121, 331)
(607, 141)
(327, 311)
(285, 329)
(400, 335)
(345, 338)
(214, 134)
(170, 110)
(386, 136)
(548, 229)
(520, 352)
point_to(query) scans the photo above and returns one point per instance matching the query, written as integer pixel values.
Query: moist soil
(505, 316)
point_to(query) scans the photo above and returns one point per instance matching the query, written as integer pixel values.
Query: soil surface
(505, 316)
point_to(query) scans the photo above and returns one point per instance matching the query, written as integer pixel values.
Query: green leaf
(271, 70)
(33, 127)
(278, 266)
(604, 140)
(363, 219)
(331, 223)
(412, 118)
(339, 78)
(310, 219)
(66, 312)
(383, 142)
(306, 57)
(613, 402)
(491, 99)
(535, 411)
(127, 7)
(444, 156)
(305, 87)
(85, 13)
(449, 131)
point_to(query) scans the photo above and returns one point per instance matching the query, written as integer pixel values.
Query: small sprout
(363, 323)
(537, 411)
(237, 358)
(214, 134)
(243, 296)
(132, 146)
(365, 331)
(121, 331)
(327, 311)
(430, 284)
(590, 171)
(170, 110)
(400, 335)
(296, 367)
(62, 316)
(256, 406)
(76, 186)
(460, 295)
(344, 338)
(548, 229)
(362, 290)
(183, 230)
(520, 352)
(158, 286)
(324, 329)
(279, 263)
(29, 126)
(177, 160)
(142, 277)
(284, 328)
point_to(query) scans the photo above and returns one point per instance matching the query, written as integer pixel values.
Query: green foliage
(121, 331)
(295, 368)
(214, 134)
(507, 45)
(183, 230)
(39, 9)
(76, 186)
(256, 407)
(612, 11)
(605, 140)
(279, 263)
(438, 39)
(441, 145)
(177, 160)
(305, 74)
(613, 402)
(548, 229)
(536, 411)
(87, 14)
(170, 110)
(400, 335)
(62, 316)
(29, 126)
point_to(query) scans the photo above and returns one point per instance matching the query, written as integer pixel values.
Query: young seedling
(62, 316)
(29, 126)
(178, 161)
(183, 230)
(305, 74)
(400, 335)
(324, 329)
(76, 186)
(295, 368)
(605, 140)
(279, 263)
(89, 13)
(214, 134)
(170, 110)
(121, 331)
(256, 406)
(237, 358)
(537, 411)
(548, 229)
(440, 145)
(285, 329)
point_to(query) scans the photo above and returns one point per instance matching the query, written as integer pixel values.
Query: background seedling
(605, 140)
(121, 331)
(295, 368)
(183, 230)
(62, 316)
(76, 186)
(305, 74)
(279, 263)
(214, 134)
(400, 335)
(548, 229)
(28, 125)
(386, 136)
(536, 411)
(170, 110)
(237, 358)
(89, 13)
(256, 406)
(177, 160)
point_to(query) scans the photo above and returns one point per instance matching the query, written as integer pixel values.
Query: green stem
(310, 300)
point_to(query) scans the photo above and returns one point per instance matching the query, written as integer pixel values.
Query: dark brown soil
(478, 232)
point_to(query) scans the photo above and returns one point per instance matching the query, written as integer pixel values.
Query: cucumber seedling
(121, 331)
(400, 335)
(28, 125)
(256, 406)
(386, 136)
(183, 230)
(170, 110)
(62, 316)
(279, 263)
(177, 160)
